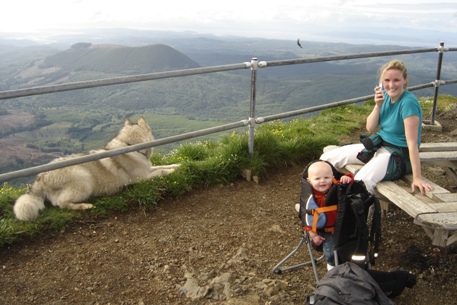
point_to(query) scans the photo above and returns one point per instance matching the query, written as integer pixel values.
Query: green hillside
(119, 59)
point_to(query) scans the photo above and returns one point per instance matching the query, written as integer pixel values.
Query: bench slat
(438, 146)
(446, 221)
(403, 199)
(444, 207)
(433, 156)
(449, 197)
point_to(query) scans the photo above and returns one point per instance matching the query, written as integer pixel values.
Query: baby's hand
(318, 240)
(345, 180)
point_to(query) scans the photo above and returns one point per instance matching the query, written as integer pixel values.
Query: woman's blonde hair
(396, 65)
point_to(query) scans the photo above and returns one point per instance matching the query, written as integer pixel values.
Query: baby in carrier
(321, 216)
(321, 194)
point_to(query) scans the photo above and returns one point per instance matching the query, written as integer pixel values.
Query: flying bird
(298, 43)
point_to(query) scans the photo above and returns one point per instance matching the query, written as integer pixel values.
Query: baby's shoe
(297, 207)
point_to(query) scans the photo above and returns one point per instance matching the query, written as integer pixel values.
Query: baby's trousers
(328, 248)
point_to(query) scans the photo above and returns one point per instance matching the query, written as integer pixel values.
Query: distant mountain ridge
(120, 59)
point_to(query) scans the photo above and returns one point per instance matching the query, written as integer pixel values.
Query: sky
(281, 19)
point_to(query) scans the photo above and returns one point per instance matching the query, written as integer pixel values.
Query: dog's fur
(69, 187)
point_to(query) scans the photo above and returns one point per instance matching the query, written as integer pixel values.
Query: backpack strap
(375, 230)
(361, 200)
(375, 235)
(362, 228)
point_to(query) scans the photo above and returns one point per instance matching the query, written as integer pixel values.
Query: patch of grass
(146, 194)
(9, 231)
(443, 103)
(207, 163)
(8, 195)
(103, 205)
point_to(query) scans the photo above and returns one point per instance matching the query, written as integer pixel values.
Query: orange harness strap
(316, 216)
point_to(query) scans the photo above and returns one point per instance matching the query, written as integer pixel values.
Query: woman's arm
(411, 132)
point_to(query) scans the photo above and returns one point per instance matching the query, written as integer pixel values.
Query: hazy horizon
(404, 22)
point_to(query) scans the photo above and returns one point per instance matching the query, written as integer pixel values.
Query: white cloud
(286, 18)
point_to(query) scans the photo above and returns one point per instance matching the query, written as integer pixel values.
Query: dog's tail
(28, 206)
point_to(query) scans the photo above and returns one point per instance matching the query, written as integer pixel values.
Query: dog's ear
(127, 122)
(142, 123)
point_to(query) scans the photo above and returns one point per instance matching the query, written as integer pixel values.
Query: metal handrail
(253, 65)
(119, 80)
(194, 71)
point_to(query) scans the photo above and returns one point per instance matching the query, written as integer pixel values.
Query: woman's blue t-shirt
(391, 118)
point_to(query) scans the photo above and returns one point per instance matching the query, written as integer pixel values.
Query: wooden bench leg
(452, 238)
(439, 242)
(439, 239)
(385, 205)
(452, 174)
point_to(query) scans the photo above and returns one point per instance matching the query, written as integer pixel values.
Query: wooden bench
(442, 154)
(436, 211)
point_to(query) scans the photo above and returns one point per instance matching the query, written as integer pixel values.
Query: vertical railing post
(252, 106)
(437, 82)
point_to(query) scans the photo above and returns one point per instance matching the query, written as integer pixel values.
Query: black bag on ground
(348, 284)
(392, 283)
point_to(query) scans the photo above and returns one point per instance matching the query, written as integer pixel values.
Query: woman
(394, 150)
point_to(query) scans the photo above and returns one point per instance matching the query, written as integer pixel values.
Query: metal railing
(253, 65)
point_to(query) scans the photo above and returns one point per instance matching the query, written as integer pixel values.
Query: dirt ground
(212, 246)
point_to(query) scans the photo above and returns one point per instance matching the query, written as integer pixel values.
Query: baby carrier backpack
(353, 239)
(356, 233)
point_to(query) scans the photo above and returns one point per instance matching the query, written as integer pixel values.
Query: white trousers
(371, 173)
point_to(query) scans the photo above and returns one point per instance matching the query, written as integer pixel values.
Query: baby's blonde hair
(396, 65)
(319, 166)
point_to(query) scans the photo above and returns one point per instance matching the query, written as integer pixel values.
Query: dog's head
(132, 134)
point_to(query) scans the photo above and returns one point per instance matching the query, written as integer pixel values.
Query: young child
(321, 179)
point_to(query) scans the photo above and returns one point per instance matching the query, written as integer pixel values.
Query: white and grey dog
(69, 187)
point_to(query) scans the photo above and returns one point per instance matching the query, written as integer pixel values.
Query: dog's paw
(163, 171)
(76, 206)
(166, 172)
(86, 206)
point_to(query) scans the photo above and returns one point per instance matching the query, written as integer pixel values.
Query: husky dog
(69, 187)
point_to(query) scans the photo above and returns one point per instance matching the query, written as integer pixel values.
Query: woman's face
(394, 83)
